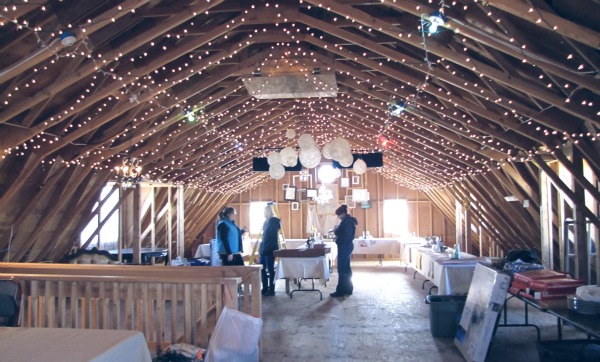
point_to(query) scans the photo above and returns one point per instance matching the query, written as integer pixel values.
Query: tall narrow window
(257, 216)
(395, 217)
(102, 231)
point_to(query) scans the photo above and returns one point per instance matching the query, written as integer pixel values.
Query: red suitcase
(556, 286)
(531, 275)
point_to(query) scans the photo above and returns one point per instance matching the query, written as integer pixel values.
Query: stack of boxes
(543, 284)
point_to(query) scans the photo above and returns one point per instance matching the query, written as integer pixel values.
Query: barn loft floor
(386, 319)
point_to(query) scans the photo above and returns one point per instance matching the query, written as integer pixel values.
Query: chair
(525, 255)
(11, 294)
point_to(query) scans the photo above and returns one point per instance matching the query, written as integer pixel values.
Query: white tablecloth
(450, 276)
(299, 243)
(296, 268)
(376, 246)
(405, 250)
(73, 345)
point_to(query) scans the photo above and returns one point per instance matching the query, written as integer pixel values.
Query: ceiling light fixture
(383, 140)
(129, 174)
(67, 38)
(437, 18)
(396, 108)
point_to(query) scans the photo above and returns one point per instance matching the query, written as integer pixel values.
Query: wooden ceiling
(500, 82)
(503, 87)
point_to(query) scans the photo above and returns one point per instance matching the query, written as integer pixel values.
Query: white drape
(312, 219)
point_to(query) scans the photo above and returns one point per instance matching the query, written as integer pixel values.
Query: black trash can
(444, 313)
(580, 350)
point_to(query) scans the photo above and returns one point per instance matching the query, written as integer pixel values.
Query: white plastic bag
(590, 293)
(179, 261)
(235, 338)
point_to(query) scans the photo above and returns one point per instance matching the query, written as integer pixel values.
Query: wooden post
(180, 220)
(152, 220)
(458, 222)
(582, 249)
(546, 224)
(562, 231)
(468, 247)
(480, 240)
(169, 223)
(136, 242)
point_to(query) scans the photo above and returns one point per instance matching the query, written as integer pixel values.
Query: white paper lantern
(276, 171)
(306, 141)
(346, 161)
(273, 158)
(327, 151)
(359, 167)
(289, 157)
(340, 149)
(310, 158)
(290, 133)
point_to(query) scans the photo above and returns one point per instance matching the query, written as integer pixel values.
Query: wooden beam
(580, 203)
(498, 42)
(90, 67)
(483, 70)
(549, 21)
(54, 47)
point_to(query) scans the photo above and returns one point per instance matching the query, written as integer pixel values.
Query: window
(395, 217)
(108, 235)
(257, 217)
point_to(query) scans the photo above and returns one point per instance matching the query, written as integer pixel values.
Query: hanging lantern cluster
(129, 174)
(310, 155)
(339, 149)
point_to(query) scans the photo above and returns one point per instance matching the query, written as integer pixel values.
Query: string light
(227, 130)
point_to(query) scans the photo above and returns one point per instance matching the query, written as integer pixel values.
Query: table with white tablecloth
(450, 276)
(303, 268)
(405, 250)
(73, 345)
(298, 243)
(376, 246)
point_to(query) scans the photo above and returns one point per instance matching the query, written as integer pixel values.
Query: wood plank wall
(424, 218)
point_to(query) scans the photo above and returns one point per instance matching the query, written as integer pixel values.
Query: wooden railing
(168, 304)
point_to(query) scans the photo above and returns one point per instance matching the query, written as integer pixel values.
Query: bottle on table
(456, 254)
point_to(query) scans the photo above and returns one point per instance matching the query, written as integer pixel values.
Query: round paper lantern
(289, 157)
(359, 167)
(276, 171)
(290, 133)
(327, 151)
(310, 158)
(340, 148)
(306, 141)
(346, 161)
(273, 158)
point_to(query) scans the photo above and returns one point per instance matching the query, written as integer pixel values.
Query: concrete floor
(386, 319)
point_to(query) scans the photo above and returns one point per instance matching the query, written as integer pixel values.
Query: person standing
(229, 238)
(269, 243)
(344, 236)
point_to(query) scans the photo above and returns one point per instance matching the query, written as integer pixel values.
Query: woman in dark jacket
(269, 243)
(344, 236)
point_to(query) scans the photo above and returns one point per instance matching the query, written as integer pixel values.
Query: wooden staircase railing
(168, 304)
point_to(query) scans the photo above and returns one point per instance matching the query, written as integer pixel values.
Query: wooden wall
(424, 219)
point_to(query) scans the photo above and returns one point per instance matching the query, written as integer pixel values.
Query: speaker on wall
(261, 164)
(371, 159)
